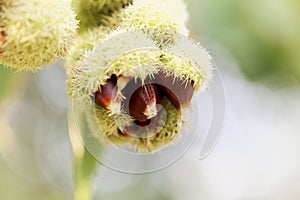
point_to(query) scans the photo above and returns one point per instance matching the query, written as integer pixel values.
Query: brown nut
(141, 100)
(142, 104)
(177, 91)
(107, 93)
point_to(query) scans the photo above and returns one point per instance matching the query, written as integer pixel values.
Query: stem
(84, 162)
(84, 170)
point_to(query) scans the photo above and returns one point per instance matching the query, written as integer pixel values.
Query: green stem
(84, 170)
(84, 162)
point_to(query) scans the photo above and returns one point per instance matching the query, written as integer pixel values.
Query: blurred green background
(262, 37)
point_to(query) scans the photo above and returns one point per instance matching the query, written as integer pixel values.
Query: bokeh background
(256, 46)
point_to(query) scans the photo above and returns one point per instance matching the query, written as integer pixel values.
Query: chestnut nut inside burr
(107, 93)
(180, 93)
(142, 100)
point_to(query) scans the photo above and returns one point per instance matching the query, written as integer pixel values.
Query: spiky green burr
(145, 41)
(91, 13)
(35, 33)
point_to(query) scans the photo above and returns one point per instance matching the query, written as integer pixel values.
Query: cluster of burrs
(133, 70)
(131, 67)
